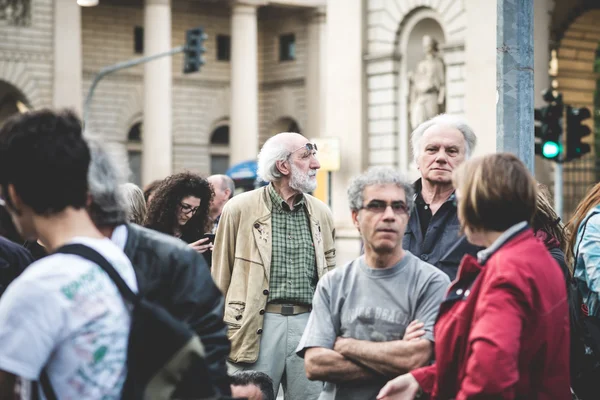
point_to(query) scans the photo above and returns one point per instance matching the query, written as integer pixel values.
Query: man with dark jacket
(439, 145)
(13, 260)
(168, 272)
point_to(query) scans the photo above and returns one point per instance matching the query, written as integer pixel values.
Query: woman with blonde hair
(503, 329)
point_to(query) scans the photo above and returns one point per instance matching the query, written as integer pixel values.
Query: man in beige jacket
(272, 246)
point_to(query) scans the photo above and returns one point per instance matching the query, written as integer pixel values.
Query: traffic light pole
(558, 183)
(117, 67)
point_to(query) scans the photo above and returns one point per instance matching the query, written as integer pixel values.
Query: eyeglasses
(308, 147)
(187, 209)
(379, 207)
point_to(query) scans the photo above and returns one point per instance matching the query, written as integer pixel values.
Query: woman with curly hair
(179, 207)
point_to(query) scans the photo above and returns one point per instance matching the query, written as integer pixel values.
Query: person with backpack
(168, 272)
(63, 318)
(583, 253)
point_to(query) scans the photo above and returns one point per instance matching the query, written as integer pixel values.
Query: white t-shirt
(64, 313)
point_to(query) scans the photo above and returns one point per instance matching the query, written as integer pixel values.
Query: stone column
(67, 56)
(315, 74)
(157, 137)
(244, 82)
(480, 73)
(345, 112)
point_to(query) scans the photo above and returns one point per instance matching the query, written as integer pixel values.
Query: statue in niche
(16, 12)
(427, 85)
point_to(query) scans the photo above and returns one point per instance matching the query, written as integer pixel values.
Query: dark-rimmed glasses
(379, 207)
(187, 209)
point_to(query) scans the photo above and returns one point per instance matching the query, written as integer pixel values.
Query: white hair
(275, 149)
(446, 120)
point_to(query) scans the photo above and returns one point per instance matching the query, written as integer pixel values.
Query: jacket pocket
(234, 312)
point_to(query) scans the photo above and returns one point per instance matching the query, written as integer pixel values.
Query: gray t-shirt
(375, 305)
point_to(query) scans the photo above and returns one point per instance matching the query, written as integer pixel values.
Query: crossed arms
(352, 359)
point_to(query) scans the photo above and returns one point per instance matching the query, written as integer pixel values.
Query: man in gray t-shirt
(373, 318)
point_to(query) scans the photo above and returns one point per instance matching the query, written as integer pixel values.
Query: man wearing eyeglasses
(272, 246)
(374, 317)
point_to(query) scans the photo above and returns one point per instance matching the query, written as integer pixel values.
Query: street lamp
(87, 3)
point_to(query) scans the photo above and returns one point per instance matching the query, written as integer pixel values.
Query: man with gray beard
(273, 244)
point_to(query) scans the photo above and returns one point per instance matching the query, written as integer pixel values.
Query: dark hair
(150, 188)
(163, 209)
(44, 155)
(496, 192)
(259, 379)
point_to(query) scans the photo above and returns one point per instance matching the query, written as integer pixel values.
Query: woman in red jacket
(503, 329)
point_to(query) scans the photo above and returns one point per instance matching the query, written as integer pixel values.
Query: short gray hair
(378, 176)
(107, 206)
(226, 183)
(136, 204)
(453, 121)
(272, 151)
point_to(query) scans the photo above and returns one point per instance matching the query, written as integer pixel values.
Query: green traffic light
(551, 149)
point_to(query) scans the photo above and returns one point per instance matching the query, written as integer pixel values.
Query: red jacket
(504, 335)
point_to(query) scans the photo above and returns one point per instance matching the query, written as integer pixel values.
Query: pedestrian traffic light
(549, 129)
(194, 50)
(577, 131)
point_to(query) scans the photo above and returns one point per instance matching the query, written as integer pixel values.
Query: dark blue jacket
(442, 246)
(13, 260)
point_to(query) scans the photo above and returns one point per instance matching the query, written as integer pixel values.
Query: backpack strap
(46, 386)
(95, 257)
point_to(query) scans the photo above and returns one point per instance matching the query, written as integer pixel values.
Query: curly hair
(163, 209)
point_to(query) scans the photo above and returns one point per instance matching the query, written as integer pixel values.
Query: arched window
(219, 149)
(134, 152)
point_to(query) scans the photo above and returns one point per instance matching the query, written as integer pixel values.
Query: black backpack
(585, 343)
(165, 358)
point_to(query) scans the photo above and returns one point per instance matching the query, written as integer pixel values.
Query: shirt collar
(418, 197)
(280, 204)
(484, 255)
(119, 236)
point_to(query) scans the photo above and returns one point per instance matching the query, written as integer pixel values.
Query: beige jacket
(241, 263)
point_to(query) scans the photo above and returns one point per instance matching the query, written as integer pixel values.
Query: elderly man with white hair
(272, 246)
(439, 146)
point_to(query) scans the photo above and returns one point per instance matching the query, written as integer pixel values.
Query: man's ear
(355, 220)
(14, 200)
(283, 167)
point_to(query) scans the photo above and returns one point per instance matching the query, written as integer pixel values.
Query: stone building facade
(347, 77)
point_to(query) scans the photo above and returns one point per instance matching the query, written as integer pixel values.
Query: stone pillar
(244, 82)
(315, 74)
(345, 109)
(480, 73)
(67, 56)
(514, 121)
(157, 137)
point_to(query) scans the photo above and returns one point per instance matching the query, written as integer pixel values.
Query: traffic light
(549, 129)
(194, 50)
(577, 131)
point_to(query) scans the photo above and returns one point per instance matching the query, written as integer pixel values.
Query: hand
(414, 331)
(339, 344)
(201, 245)
(404, 387)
